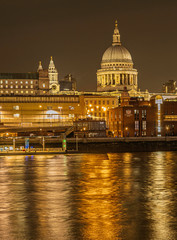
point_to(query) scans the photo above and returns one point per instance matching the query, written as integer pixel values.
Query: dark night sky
(76, 33)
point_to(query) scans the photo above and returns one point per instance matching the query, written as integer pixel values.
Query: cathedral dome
(116, 53)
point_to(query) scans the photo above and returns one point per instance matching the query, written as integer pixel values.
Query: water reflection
(90, 196)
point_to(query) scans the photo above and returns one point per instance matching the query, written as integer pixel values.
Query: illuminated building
(53, 77)
(24, 83)
(41, 115)
(96, 106)
(116, 68)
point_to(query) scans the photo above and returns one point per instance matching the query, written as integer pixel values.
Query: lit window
(31, 82)
(21, 91)
(26, 86)
(43, 85)
(16, 86)
(26, 82)
(11, 83)
(16, 107)
(16, 115)
(6, 86)
(31, 91)
(31, 86)
(6, 82)
(11, 91)
(16, 82)
(136, 125)
(21, 82)
(11, 86)
(16, 91)
(144, 125)
(1, 86)
(21, 86)
(1, 81)
(6, 91)
(26, 91)
(1, 91)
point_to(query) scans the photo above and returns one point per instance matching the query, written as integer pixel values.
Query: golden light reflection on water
(159, 195)
(32, 198)
(126, 196)
(100, 205)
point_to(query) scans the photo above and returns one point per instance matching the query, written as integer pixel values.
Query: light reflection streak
(158, 195)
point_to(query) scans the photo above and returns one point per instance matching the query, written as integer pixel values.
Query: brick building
(169, 115)
(132, 118)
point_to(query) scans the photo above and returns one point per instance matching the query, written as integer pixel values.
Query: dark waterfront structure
(89, 128)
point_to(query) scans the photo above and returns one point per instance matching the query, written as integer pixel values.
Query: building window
(43, 85)
(6, 86)
(16, 115)
(136, 112)
(95, 102)
(6, 82)
(16, 86)
(31, 82)
(16, 91)
(136, 125)
(144, 125)
(11, 86)
(21, 91)
(16, 82)
(26, 91)
(26, 86)
(144, 133)
(86, 102)
(112, 102)
(144, 114)
(26, 82)
(103, 102)
(99, 102)
(31, 86)
(6, 91)
(107, 102)
(21, 82)
(1, 81)
(1, 86)
(16, 107)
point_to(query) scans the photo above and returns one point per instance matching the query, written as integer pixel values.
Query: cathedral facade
(117, 70)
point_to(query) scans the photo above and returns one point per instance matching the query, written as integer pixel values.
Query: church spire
(51, 64)
(116, 36)
(40, 66)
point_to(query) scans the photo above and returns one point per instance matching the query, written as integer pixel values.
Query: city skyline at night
(77, 34)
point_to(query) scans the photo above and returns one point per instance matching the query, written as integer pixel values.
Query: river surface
(124, 196)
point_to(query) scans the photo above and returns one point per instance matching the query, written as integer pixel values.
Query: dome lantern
(116, 36)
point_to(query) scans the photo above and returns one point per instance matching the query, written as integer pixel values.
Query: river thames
(124, 196)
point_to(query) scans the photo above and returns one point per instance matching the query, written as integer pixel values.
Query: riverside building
(24, 83)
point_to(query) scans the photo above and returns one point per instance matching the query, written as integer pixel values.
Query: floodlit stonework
(116, 68)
